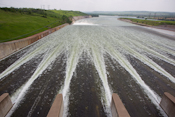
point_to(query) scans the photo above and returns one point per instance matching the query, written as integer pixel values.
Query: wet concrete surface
(155, 80)
(13, 81)
(85, 92)
(132, 95)
(6, 62)
(165, 65)
(41, 94)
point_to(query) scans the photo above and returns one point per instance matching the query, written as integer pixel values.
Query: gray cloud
(95, 5)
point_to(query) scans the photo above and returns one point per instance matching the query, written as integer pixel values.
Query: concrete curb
(57, 107)
(117, 107)
(168, 104)
(5, 104)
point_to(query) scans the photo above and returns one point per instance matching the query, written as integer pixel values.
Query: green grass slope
(20, 23)
(69, 13)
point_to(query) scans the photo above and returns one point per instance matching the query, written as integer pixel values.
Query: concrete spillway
(87, 62)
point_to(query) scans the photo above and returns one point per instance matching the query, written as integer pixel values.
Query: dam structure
(87, 62)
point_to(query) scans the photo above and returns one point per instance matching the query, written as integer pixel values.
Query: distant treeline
(166, 18)
(30, 11)
(93, 15)
(141, 14)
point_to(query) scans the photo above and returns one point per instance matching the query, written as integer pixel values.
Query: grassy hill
(69, 13)
(23, 22)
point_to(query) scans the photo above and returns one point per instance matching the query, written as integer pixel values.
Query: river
(87, 62)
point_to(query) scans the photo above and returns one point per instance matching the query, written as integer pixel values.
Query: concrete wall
(168, 104)
(5, 104)
(8, 48)
(117, 107)
(57, 107)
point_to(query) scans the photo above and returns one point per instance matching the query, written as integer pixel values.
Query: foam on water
(127, 44)
(167, 32)
(145, 46)
(124, 63)
(22, 60)
(98, 60)
(150, 41)
(83, 23)
(74, 53)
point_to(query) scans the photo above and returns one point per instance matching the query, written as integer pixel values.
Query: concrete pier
(168, 104)
(57, 107)
(5, 104)
(117, 107)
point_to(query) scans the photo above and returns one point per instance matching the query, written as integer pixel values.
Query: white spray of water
(150, 63)
(154, 43)
(125, 64)
(128, 47)
(39, 47)
(47, 60)
(72, 61)
(134, 42)
(100, 66)
(84, 22)
(111, 50)
(23, 60)
(151, 51)
(95, 41)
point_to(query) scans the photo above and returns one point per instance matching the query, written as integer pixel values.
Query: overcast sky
(95, 5)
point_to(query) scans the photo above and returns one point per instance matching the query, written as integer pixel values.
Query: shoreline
(165, 29)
